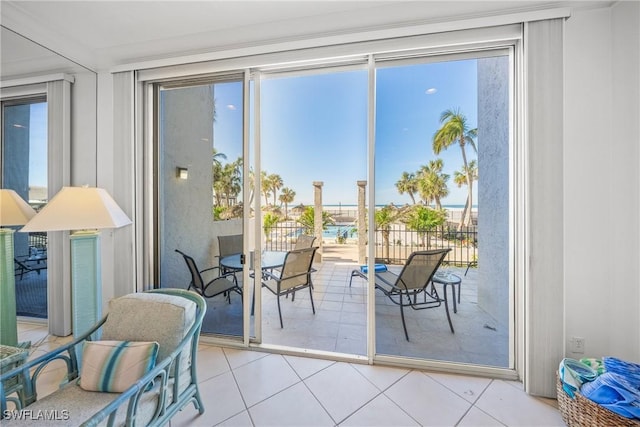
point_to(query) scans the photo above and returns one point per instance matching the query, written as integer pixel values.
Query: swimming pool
(347, 231)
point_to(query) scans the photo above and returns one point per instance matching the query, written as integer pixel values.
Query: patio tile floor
(339, 324)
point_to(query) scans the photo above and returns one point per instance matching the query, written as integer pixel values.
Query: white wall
(601, 181)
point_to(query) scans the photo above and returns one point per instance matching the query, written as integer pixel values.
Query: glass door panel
(313, 154)
(442, 164)
(200, 159)
(24, 170)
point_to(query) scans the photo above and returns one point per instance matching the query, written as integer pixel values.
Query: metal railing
(394, 245)
(400, 242)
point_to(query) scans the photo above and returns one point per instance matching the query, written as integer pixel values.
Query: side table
(10, 358)
(448, 279)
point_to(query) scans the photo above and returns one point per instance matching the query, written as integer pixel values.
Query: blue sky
(314, 127)
(38, 144)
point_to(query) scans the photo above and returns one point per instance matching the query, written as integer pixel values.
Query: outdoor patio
(339, 324)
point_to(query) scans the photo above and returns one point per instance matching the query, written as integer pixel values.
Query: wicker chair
(172, 318)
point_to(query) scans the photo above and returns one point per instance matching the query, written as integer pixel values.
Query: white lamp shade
(79, 208)
(13, 209)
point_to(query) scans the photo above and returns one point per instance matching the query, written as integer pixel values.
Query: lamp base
(86, 286)
(8, 321)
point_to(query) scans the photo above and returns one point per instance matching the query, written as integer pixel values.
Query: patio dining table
(269, 260)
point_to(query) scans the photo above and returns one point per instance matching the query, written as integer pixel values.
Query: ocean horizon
(347, 206)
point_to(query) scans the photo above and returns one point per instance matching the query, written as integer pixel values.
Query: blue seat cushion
(378, 268)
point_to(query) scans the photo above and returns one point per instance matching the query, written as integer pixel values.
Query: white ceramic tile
(220, 397)
(295, 406)
(238, 358)
(381, 376)
(240, 420)
(427, 401)
(307, 366)
(469, 388)
(264, 377)
(381, 411)
(189, 417)
(476, 418)
(515, 408)
(341, 390)
(211, 361)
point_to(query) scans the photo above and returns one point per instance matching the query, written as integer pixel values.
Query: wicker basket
(582, 412)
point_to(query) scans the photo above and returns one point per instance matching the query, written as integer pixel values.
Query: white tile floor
(249, 388)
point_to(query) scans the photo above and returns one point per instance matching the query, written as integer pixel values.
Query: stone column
(317, 219)
(362, 222)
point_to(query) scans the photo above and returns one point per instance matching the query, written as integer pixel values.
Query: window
(24, 170)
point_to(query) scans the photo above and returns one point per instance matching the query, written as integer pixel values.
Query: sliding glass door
(377, 161)
(443, 149)
(199, 159)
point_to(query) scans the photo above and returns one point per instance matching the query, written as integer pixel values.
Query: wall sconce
(182, 173)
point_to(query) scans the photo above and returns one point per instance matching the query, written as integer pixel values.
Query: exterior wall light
(182, 173)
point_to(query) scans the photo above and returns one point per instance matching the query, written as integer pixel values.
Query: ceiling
(103, 34)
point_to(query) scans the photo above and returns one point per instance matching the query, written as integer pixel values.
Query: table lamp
(13, 211)
(84, 211)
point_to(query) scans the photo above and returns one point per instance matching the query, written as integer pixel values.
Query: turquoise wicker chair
(170, 317)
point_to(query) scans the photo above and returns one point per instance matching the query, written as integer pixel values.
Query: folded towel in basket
(573, 374)
(614, 392)
(629, 370)
(595, 364)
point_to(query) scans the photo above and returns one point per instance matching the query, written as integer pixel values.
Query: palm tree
(287, 196)
(266, 186)
(275, 183)
(232, 180)
(432, 183)
(384, 218)
(217, 156)
(455, 129)
(408, 184)
(460, 178)
(217, 171)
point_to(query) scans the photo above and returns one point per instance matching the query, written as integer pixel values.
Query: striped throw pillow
(113, 366)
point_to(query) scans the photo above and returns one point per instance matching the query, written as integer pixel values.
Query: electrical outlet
(577, 345)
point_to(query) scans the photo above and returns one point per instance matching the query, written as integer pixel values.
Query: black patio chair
(211, 282)
(413, 286)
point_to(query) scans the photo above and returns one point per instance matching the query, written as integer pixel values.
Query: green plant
(269, 220)
(424, 219)
(307, 219)
(217, 213)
